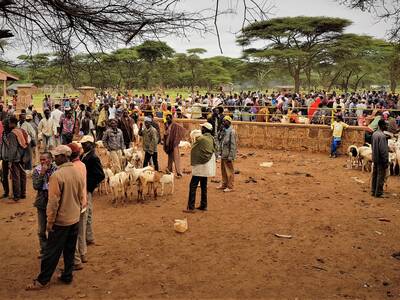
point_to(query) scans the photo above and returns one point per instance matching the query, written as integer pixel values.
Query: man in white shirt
(361, 107)
(56, 116)
(47, 130)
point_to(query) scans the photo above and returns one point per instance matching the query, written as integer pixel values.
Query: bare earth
(340, 248)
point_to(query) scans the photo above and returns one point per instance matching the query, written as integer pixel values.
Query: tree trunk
(346, 83)
(333, 81)
(393, 85)
(296, 78)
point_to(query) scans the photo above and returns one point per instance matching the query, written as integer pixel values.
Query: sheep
(365, 156)
(352, 153)
(167, 179)
(105, 184)
(149, 179)
(118, 184)
(134, 174)
(194, 135)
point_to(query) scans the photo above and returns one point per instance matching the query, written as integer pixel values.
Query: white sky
(363, 23)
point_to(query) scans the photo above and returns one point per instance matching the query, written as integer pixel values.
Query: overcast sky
(363, 23)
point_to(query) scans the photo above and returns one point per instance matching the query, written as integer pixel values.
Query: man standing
(126, 126)
(174, 133)
(113, 141)
(380, 158)
(66, 200)
(17, 147)
(94, 176)
(102, 121)
(67, 127)
(56, 116)
(202, 159)
(63, 211)
(40, 180)
(5, 160)
(150, 141)
(23, 124)
(47, 130)
(227, 150)
(81, 247)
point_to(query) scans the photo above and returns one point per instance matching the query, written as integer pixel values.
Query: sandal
(36, 286)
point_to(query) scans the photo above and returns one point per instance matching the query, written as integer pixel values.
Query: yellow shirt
(338, 128)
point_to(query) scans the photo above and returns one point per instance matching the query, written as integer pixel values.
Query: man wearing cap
(202, 159)
(380, 158)
(150, 141)
(227, 150)
(64, 206)
(94, 175)
(113, 141)
(81, 247)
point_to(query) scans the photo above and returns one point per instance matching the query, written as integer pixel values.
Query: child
(337, 126)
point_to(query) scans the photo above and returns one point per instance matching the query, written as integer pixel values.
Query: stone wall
(278, 136)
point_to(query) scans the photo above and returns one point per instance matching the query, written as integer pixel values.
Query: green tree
(193, 60)
(152, 52)
(291, 41)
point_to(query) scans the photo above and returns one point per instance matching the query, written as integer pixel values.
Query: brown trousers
(227, 173)
(175, 157)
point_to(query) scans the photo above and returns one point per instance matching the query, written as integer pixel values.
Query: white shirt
(56, 116)
(47, 127)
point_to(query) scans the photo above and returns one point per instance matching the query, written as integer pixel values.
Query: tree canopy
(292, 41)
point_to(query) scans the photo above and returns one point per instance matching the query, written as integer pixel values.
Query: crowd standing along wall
(278, 136)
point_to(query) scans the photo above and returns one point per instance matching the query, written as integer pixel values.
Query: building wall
(277, 136)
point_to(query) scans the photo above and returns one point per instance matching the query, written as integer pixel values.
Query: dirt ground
(339, 248)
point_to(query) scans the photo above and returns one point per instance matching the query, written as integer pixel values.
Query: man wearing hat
(227, 150)
(64, 206)
(202, 159)
(94, 175)
(81, 247)
(150, 141)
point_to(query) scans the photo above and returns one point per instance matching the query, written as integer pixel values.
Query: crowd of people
(58, 149)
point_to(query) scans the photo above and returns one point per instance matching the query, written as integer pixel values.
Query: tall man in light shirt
(56, 116)
(47, 130)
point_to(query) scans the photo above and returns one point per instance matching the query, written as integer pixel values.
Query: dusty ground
(340, 248)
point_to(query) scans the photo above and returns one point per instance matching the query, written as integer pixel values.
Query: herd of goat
(123, 180)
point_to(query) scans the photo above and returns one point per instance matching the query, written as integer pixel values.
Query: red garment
(313, 108)
(22, 137)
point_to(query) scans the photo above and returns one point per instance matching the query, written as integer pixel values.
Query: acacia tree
(193, 60)
(292, 41)
(152, 52)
